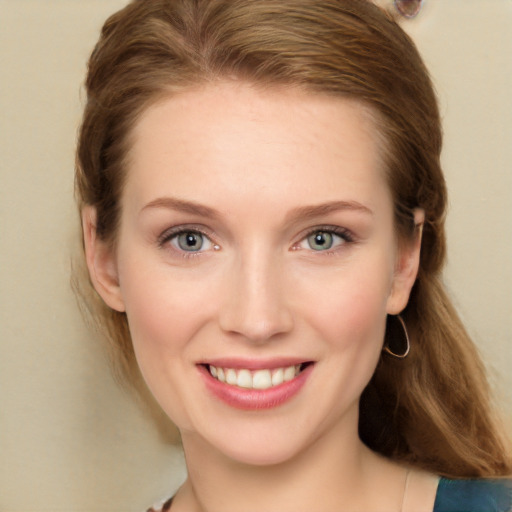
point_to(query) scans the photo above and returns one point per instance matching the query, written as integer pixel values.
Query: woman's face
(256, 244)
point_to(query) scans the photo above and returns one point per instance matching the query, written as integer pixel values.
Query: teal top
(474, 496)
(454, 496)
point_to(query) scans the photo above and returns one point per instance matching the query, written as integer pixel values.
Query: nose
(255, 302)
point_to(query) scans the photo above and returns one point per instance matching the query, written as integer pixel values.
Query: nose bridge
(256, 306)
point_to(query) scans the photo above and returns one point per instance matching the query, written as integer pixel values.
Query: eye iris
(190, 241)
(320, 240)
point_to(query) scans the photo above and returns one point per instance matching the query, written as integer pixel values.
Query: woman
(263, 215)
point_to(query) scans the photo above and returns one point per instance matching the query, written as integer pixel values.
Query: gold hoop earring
(397, 339)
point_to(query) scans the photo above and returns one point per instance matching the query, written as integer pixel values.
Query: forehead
(235, 137)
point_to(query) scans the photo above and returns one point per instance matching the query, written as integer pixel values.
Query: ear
(101, 262)
(406, 268)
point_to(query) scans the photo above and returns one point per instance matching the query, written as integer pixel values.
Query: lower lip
(255, 399)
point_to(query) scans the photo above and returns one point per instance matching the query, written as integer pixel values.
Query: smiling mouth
(256, 379)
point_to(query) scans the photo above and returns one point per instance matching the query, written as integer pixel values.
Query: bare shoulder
(420, 492)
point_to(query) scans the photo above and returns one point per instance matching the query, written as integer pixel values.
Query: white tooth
(244, 379)
(289, 373)
(297, 369)
(220, 375)
(213, 371)
(230, 376)
(261, 379)
(278, 377)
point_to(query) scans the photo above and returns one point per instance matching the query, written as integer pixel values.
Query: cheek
(159, 306)
(353, 323)
(349, 307)
(164, 314)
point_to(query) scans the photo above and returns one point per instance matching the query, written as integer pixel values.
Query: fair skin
(257, 235)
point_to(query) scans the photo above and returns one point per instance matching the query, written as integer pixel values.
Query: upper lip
(254, 364)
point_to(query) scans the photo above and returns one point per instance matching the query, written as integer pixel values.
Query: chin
(262, 452)
(250, 442)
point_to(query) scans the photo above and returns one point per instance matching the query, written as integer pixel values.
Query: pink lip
(254, 399)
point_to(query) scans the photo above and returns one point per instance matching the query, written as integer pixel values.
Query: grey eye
(190, 241)
(320, 240)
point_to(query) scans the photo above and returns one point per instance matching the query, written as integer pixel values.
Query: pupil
(320, 241)
(190, 241)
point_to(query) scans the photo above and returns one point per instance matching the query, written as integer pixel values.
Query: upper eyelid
(345, 234)
(171, 232)
(166, 241)
(336, 230)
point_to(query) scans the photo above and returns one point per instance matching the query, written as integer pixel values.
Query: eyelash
(167, 236)
(346, 235)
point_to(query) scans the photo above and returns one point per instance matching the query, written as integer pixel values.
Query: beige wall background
(70, 440)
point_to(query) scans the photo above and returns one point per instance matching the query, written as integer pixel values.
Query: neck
(335, 471)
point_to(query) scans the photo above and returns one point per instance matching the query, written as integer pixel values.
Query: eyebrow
(172, 203)
(311, 212)
(300, 213)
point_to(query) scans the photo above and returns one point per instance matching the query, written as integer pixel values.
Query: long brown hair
(432, 409)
